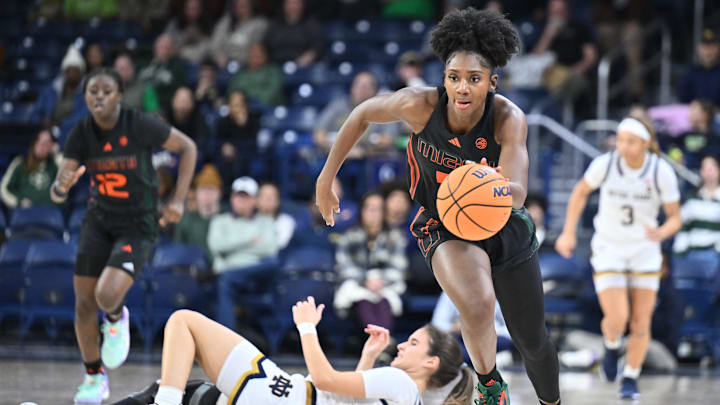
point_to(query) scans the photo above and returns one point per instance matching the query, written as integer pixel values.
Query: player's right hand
(565, 244)
(66, 182)
(326, 201)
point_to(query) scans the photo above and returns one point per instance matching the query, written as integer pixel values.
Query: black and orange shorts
(107, 240)
(514, 244)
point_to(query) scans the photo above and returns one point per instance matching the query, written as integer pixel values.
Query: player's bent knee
(478, 308)
(108, 301)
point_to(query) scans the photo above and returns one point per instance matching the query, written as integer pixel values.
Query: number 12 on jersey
(109, 183)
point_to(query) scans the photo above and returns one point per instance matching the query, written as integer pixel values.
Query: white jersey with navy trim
(630, 199)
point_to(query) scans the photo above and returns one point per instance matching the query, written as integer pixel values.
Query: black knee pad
(199, 392)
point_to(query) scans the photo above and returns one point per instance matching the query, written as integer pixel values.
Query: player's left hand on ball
(306, 311)
(653, 233)
(485, 163)
(172, 213)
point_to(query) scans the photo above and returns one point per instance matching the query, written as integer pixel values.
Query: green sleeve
(150, 101)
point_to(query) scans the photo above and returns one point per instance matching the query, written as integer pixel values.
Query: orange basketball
(474, 202)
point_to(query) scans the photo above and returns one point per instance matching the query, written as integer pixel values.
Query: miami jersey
(435, 151)
(630, 199)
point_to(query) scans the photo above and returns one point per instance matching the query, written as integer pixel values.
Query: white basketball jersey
(630, 199)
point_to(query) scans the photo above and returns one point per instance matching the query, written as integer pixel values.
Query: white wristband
(305, 328)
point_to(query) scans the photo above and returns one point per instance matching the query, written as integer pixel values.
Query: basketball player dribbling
(464, 120)
(626, 258)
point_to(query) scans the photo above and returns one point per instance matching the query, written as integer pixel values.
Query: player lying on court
(464, 120)
(429, 359)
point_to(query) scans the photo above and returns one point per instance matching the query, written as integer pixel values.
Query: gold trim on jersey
(255, 371)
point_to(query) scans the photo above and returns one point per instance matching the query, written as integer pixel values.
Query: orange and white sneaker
(493, 393)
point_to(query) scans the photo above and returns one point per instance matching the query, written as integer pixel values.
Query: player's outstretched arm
(185, 147)
(306, 316)
(565, 243)
(410, 105)
(68, 174)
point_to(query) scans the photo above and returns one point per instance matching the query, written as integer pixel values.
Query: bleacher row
(36, 283)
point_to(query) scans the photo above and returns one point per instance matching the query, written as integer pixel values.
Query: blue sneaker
(629, 389)
(610, 364)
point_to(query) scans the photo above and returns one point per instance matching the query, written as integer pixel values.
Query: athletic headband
(634, 126)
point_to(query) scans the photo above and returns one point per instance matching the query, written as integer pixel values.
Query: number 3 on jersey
(628, 218)
(109, 183)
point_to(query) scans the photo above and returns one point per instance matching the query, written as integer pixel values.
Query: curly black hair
(485, 32)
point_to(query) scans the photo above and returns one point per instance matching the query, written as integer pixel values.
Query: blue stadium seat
(288, 291)
(314, 74)
(307, 260)
(563, 281)
(700, 312)
(3, 224)
(12, 257)
(49, 269)
(293, 118)
(37, 222)
(173, 284)
(12, 113)
(316, 96)
(75, 221)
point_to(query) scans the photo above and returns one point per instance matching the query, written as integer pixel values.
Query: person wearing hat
(243, 244)
(193, 227)
(62, 102)
(702, 79)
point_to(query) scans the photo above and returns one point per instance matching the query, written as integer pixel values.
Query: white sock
(168, 395)
(612, 345)
(631, 372)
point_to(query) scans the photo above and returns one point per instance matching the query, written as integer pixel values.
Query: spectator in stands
(237, 136)
(537, 206)
(137, 94)
(185, 117)
(397, 206)
(702, 80)
(194, 225)
(241, 242)
(699, 238)
(364, 86)
(371, 264)
(621, 22)
(269, 204)
(94, 56)
(294, 37)
(261, 81)
(143, 11)
(207, 94)
(420, 9)
(235, 32)
(62, 102)
(165, 72)
(28, 178)
(83, 9)
(571, 42)
(699, 140)
(191, 31)
(409, 71)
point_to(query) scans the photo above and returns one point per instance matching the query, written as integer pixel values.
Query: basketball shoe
(610, 364)
(493, 394)
(116, 340)
(629, 389)
(93, 390)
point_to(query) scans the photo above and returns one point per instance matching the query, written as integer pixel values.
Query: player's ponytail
(463, 391)
(447, 349)
(653, 147)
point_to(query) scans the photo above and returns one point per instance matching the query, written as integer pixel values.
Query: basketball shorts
(625, 265)
(249, 378)
(123, 243)
(515, 243)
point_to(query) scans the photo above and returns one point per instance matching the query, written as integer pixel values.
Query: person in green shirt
(28, 178)
(193, 227)
(261, 81)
